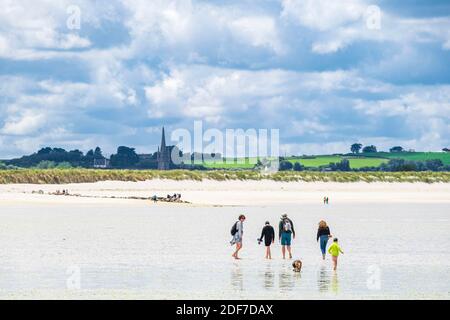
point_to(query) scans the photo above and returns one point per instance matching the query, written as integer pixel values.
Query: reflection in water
(323, 279)
(237, 277)
(269, 278)
(287, 279)
(335, 283)
(327, 278)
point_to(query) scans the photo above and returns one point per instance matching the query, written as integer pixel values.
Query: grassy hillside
(355, 162)
(229, 164)
(416, 156)
(58, 176)
(370, 159)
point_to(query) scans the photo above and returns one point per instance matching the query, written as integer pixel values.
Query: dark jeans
(323, 243)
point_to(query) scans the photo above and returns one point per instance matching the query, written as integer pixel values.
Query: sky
(79, 74)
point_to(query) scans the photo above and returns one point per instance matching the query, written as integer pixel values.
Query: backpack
(234, 229)
(287, 226)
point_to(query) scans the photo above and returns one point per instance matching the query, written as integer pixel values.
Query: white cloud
(258, 31)
(340, 23)
(28, 27)
(323, 15)
(27, 122)
(229, 64)
(422, 103)
(217, 94)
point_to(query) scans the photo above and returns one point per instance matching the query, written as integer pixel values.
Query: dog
(297, 265)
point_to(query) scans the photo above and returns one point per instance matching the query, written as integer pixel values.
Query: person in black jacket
(268, 233)
(323, 234)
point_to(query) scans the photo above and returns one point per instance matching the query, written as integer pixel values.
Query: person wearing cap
(286, 232)
(268, 233)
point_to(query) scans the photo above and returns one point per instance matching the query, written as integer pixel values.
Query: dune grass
(63, 176)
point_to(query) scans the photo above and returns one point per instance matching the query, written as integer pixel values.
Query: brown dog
(297, 265)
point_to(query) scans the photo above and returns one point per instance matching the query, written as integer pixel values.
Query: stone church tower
(163, 156)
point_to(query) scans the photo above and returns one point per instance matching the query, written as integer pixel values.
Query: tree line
(124, 158)
(393, 165)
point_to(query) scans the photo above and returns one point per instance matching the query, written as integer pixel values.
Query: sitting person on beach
(297, 265)
(334, 250)
(268, 233)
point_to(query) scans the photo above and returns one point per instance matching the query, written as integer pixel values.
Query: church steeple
(163, 155)
(163, 140)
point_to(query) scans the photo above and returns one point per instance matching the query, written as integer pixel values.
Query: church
(163, 155)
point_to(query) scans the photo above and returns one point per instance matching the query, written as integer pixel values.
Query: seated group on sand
(61, 193)
(176, 197)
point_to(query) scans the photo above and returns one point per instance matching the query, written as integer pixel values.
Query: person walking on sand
(334, 250)
(323, 234)
(268, 233)
(237, 232)
(286, 232)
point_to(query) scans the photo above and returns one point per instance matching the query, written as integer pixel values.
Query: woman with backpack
(286, 231)
(237, 231)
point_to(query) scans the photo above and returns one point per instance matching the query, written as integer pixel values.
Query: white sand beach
(234, 192)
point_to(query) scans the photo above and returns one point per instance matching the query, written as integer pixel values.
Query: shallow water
(160, 251)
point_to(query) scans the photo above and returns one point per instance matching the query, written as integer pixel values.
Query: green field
(416, 156)
(247, 163)
(370, 159)
(356, 161)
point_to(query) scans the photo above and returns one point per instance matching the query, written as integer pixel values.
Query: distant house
(101, 163)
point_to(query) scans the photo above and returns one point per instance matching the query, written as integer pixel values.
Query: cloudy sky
(326, 73)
